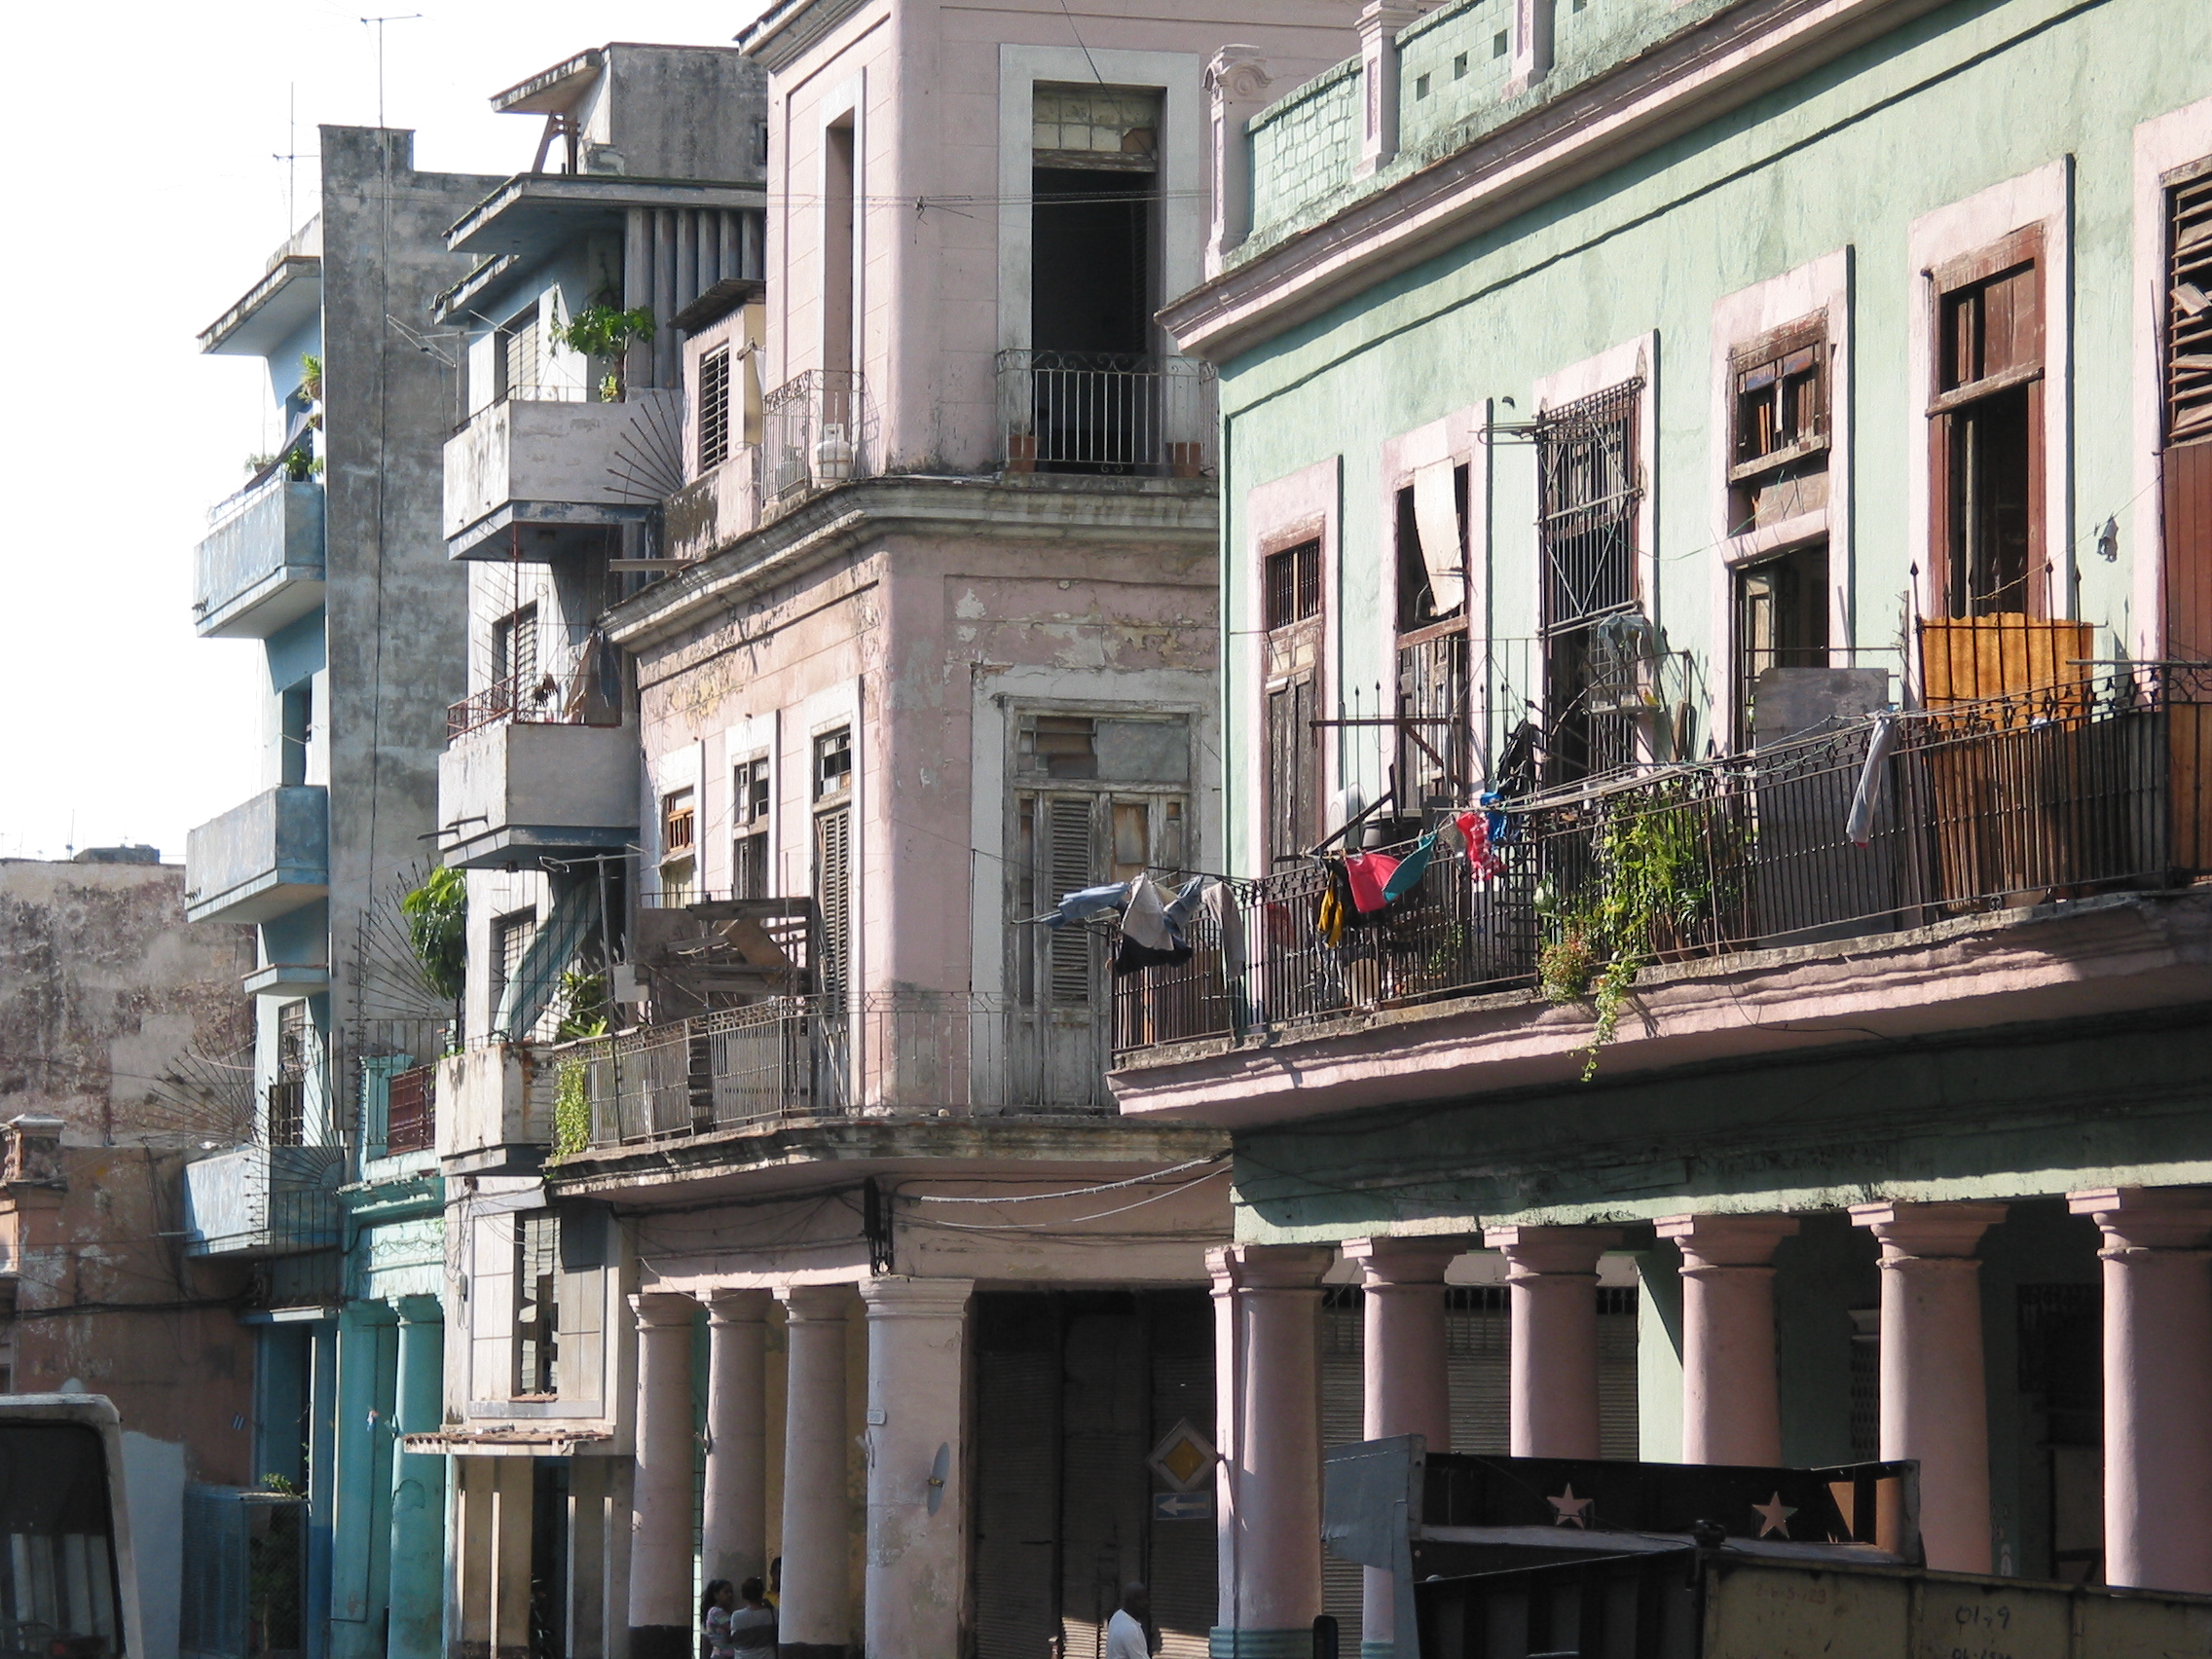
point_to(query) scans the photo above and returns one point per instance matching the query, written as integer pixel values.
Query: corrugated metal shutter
(1017, 1452)
(1478, 1350)
(1104, 1486)
(1183, 1567)
(1343, 1413)
(1618, 1433)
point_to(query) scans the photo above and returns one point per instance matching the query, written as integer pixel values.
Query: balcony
(791, 1058)
(264, 1201)
(817, 431)
(495, 1101)
(715, 508)
(542, 478)
(537, 764)
(1106, 413)
(260, 564)
(1673, 913)
(260, 860)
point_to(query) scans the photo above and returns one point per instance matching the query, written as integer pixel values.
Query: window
(511, 935)
(1501, 44)
(1589, 493)
(1098, 798)
(1986, 423)
(288, 1093)
(296, 716)
(678, 852)
(840, 232)
(1291, 581)
(537, 1316)
(1433, 692)
(1782, 622)
(514, 647)
(1460, 67)
(2186, 466)
(1421, 88)
(1779, 446)
(520, 343)
(834, 857)
(714, 409)
(749, 843)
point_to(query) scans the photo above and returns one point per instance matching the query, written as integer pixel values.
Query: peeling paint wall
(106, 991)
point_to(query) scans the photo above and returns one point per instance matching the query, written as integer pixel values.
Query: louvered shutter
(1070, 860)
(833, 895)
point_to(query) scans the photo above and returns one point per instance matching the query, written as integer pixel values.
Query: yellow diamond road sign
(1183, 1459)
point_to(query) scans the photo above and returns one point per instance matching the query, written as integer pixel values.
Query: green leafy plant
(583, 1005)
(282, 1487)
(571, 1108)
(437, 929)
(311, 376)
(605, 331)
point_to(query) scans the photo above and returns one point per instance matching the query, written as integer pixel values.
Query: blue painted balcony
(260, 566)
(261, 859)
(264, 1201)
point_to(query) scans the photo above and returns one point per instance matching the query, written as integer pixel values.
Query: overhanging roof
(271, 311)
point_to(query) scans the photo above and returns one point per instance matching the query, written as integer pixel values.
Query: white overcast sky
(148, 196)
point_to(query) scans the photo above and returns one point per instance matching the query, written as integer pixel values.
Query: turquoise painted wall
(1969, 96)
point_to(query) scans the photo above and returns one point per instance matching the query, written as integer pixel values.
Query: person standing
(1126, 1631)
(715, 1609)
(753, 1622)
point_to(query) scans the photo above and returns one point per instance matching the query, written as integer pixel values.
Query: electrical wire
(1065, 1222)
(1072, 1192)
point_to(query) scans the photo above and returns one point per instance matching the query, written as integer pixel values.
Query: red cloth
(1474, 830)
(1368, 873)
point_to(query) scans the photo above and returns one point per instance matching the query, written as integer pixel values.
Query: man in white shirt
(1125, 1630)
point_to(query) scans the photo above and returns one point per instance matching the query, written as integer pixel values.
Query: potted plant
(605, 332)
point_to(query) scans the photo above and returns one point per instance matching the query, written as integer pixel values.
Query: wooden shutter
(833, 896)
(2189, 309)
(1071, 864)
(1293, 767)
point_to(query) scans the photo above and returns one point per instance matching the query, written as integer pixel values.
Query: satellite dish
(940, 1472)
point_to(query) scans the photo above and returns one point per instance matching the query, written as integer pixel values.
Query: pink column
(1271, 1539)
(1407, 1390)
(660, 1500)
(734, 1528)
(816, 1615)
(1731, 1402)
(917, 1511)
(1552, 1273)
(2157, 1384)
(1934, 1403)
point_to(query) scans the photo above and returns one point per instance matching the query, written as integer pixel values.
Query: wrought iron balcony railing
(2081, 789)
(581, 686)
(816, 430)
(1106, 413)
(800, 1057)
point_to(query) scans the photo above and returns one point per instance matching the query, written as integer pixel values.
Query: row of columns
(2157, 1363)
(915, 1517)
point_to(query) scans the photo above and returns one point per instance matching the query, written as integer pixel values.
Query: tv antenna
(388, 17)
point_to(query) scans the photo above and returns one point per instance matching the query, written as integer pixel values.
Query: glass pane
(56, 1572)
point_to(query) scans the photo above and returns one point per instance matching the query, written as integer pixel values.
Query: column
(1731, 1399)
(1934, 1404)
(917, 1514)
(734, 1529)
(660, 1500)
(322, 1483)
(360, 1513)
(1407, 1386)
(1552, 1283)
(1534, 31)
(1236, 87)
(1380, 21)
(513, 1527)
(2157, 1384)
(474, 1577)
(1271, 1536)
(816, 1620)
(416, 1628)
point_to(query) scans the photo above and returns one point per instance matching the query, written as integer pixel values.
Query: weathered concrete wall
(104, 991)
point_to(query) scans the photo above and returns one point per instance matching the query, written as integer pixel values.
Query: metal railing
(816, 430)
(2076, 790)
(1106, 413)
(580, 687)
(803, 1057)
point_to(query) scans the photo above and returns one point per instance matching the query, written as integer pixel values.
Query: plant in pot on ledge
(604, 332)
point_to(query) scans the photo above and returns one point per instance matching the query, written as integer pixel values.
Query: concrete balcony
(513, 790)
(714, 509)
(495, 1107)
(260, 567)
(260, 860)
(548, 478)
(264, 1201)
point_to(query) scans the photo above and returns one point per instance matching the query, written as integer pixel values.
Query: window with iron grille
(514, 645)
(1590, 492)
(1986, 415)
(511, 935)
(1098, 798)
(1292, 606)
(1434, 691)
(537, 1282)
(833, 770)
(295, 1059)
(749, 838)
(714, 409)
(520, 344)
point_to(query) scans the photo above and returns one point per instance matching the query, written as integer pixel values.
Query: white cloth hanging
(1436, 515)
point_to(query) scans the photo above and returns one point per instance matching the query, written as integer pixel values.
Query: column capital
(901, 1297)
(1378, 17)
(738, 1306)
(662, 1309)
(2148, 1218)
(420, 1310)
(813, 1303)
(1926, 1230)
(1533, 1251)
(1392, 1260)
(1727, 1241)
(1270, 1266)
(1239, 74)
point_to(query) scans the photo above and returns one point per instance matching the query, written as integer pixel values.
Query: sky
(150, 192)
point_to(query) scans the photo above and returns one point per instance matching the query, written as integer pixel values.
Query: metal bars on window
(1589, 488)
(714, 409)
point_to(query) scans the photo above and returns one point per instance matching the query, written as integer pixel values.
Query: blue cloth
(1504, 829)
(1088, 902)
(1407, 876)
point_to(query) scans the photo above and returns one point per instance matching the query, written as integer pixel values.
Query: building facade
(1732, 474)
